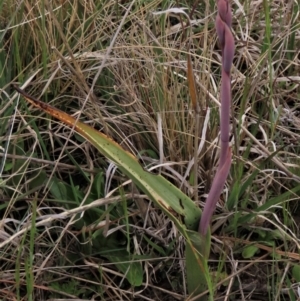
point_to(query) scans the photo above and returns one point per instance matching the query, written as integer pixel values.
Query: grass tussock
(122, 69)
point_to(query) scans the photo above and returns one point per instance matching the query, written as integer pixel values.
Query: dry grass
(49, 250)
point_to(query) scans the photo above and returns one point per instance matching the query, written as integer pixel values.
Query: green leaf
(65, 192)
(58, 189)
(196, 254)
(171, 200)
(249, 251)
(261, 233)
(184, 213)
(296, 272)
(98, 184)
(38, 179)
(8, 166)
(19, 166)
(132, 270)
(70, 286)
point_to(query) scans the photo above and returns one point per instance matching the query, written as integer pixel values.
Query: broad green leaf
(249, 251)
(98, 184)
(59, 189)
(173, 202)
(69, 286)
(196, 254)
(132, 270)
(169, 198)
(296, 272)
(19, 166)
(39, 179)
(292, 293)
(8, 166)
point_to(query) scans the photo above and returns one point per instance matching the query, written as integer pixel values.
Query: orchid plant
(166, 196)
